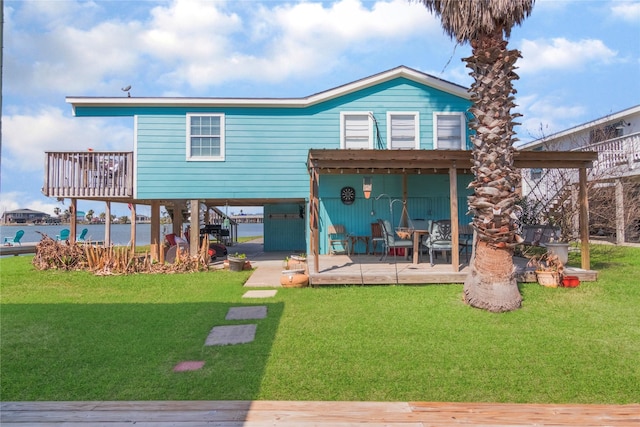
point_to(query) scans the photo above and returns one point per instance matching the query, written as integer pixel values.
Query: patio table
(417, 238)
(355, 239)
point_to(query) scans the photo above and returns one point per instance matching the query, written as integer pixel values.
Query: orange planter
(570, 281)
(294, 279)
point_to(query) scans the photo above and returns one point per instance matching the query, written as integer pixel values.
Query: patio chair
(83, 235)
(465, 239)
(64, 234)
(391, 242)
(338, 235)
(439, 238)
(10, 241)
(376, 237)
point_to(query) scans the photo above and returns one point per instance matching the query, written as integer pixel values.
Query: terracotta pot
(294, 279)
(549, 279)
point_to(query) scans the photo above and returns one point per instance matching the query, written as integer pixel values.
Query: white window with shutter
(449, 131)
(403, 130)
(356, 130)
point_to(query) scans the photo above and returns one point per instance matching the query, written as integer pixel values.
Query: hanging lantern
(367, 185)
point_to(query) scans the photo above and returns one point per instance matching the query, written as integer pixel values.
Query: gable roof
(585, 126)
(376, 79)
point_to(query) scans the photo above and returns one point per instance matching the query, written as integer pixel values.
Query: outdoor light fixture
(367, 185)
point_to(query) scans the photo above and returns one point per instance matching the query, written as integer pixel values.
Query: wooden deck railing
(89, 174)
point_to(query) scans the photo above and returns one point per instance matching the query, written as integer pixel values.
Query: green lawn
(75, 336)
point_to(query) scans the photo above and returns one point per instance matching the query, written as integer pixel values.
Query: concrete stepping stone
(191, 365)
(242, 313)
(231, 334)
(260, 294)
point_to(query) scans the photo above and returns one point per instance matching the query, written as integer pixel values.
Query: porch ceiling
(336, 161)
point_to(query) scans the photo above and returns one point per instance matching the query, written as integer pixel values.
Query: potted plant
(296, 262)
(237, 261)
(549, 269)
(563, 220)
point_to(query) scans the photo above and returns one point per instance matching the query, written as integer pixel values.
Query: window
(449, 131)
(356, 130)
(607, 132)
(536, 174)
(403, 130)
(205, 137)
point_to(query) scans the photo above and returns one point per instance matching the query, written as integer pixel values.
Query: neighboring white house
(614, 181)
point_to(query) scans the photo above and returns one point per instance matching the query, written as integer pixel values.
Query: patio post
(155, 230)
(453, 206)
(585, 256)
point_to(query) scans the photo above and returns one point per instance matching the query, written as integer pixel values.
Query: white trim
(416, 127)
(369, 116)
(463, 129)
(402, 71)
(135, 157)
(585, 126)
(219, 158)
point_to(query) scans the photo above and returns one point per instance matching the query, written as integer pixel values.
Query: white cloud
(187, 44)
(286, 40)
(26, 136)
(562, 54)
(626, 11)
(545, 116)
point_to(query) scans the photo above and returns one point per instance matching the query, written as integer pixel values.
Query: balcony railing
(88, 174)
(619, 156)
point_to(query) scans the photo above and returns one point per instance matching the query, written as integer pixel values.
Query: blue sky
(581, 61)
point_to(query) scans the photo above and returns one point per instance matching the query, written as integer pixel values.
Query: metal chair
(338, 235)
(390, 241)
(439, 238)
(465, 239)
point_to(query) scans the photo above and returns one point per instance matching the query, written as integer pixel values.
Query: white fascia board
(594, 123)
(408, 73)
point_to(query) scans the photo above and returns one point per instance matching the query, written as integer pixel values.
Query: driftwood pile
(63, 255)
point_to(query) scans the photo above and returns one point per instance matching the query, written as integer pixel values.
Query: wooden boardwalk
(307, 414)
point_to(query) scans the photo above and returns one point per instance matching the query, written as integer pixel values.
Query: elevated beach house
(393, 146)
(613, 181)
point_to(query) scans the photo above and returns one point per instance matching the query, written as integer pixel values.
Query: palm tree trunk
(491, 283)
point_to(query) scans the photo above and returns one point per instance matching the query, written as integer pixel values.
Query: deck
(369, 270)
(364, 269)
(318, 414)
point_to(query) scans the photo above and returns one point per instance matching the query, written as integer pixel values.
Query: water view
(120, 233)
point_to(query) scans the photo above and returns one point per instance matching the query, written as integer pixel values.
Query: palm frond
(465, 20)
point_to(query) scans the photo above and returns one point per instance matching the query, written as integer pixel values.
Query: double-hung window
(356, 130)
(403, 130)
(449, 131)
(205, 136)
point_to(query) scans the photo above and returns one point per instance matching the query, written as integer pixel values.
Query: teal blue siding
(265, 147)
(284, 228)
(427, 198)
